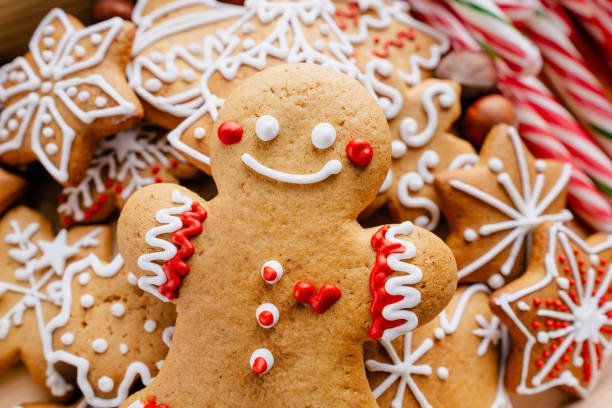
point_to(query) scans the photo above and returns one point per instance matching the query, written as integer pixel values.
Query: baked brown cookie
(12, 187)
(559, 313)
(422, 367)
(66, 94)
(493, 208)
(290, 284)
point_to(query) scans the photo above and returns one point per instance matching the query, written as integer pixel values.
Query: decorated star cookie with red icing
(419, 368)
(494, 207)
(66, 94)
(12, 187)
(559, 313)
(290, 284)
(123, 163)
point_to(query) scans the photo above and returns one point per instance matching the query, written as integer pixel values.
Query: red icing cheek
(359, 151)
(230, 132)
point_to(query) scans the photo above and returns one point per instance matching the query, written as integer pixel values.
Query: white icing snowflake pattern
(122, 157)
(525, 215)
(574, 329)
(404, 369)
(51, 264)
(225, 52)
(35, 93)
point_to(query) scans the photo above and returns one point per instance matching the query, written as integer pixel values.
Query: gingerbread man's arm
(413, 279)
(154, 232)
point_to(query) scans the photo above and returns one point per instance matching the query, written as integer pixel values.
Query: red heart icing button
(306, 293)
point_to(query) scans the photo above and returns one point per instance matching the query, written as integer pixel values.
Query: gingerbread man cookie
(12, 187)
(418, 369)
(66, 94)
(493, 208)
(290, 284)
(123, 163)
(559, 313)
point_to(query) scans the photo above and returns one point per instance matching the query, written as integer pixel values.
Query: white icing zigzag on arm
(149, 262)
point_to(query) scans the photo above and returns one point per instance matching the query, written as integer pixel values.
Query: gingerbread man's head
(333, 132)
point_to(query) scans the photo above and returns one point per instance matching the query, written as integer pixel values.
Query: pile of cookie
(376, 249)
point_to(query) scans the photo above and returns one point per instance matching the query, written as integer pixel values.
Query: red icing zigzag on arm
(176, 268)
(152, 403)
(378, 277)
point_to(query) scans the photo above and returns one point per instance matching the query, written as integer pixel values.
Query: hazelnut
(485, 113)
(105, 9)
(474, 71)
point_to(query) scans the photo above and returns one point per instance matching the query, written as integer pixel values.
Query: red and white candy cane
(435, 13)
(583, 197)
(570, 76)
(492, 29)
(583, 150)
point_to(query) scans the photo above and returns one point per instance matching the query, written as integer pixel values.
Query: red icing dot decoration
(152, 403)
(359, 151)
(306, 293)
(260, 366)
(109, 183)
(266, 318)
(269, 274)
(176, 268)
(68, 221)
(230, 132)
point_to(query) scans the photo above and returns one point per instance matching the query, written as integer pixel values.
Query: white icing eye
(323, 136)
(261, 361)
(266, 128)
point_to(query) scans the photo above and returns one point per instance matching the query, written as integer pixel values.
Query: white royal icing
(330, 168)
(59, 82)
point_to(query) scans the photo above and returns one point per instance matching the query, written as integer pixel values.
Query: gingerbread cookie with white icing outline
(290, 284)
(559, 313)
(419, 368)
(493, 208)
(66, 94)
(123, 163)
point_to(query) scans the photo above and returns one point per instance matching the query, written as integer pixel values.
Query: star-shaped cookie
(493, 207)
(66, 94)
(559, 313)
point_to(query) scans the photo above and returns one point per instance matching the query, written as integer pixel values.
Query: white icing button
(261, 361)
(153, 84)
(150, 326)
(496, 165)
(248, 28)
(439, 333)
(48, 42)
(47, 55)
(51, 149)
(189, 75)
(71, 91)
(199, 132)
(46, 87)
(101, 101)
(442, 373)
(99, 345)
(46, 118)
(95, 38)
(106, 384)
(118, 309)
(266, 128)
(496, 281)
(540, 165)
(542, 337)
(12, 124)
(79, 50)
(67, 339)
(272, 272)
(563, 283)
(84, 278)
(523, 306)
(87, 301)
(323, 136)
(470, 235)
(157, 57)
(123, 348)
(398, 149)
(83, 96)
(320, 45)
(48, 30)
(267, 315)
(594, 259)
(48, 131)
(132, 279)
(324, 29)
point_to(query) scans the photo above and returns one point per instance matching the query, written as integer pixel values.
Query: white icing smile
(330, 168)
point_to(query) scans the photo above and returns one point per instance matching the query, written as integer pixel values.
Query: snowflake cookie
(493, 207)
(559, 313)
(123, 163)
(418, 369)
(290, 285)
(66, 94)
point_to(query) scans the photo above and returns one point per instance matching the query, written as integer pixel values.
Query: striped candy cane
(492, 29)
(595, 17)
(584, 198)
(439, 17)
